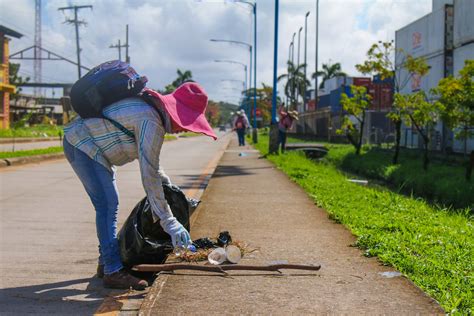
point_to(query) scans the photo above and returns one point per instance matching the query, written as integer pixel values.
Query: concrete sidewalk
(259, 205)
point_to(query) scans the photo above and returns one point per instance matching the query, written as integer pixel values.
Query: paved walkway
(258, 204)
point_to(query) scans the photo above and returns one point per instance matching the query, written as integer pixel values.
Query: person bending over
(94, 146)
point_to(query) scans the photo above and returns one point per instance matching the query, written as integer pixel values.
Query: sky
(166, 35)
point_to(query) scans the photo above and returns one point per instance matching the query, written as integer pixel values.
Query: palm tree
(183, 76)
(295, 81)
(329, 71)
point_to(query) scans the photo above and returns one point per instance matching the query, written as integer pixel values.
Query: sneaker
(123, 280)
(100, 271)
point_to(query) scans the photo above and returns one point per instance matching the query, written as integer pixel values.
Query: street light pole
(238, 63)
(245, 89)
(289, 59)
(293, 64)
(255, 73)
(298, 63)
(250, 49)
(316, 61)
(305, 65)
(273, 143)
(250, 80)
(254, 10)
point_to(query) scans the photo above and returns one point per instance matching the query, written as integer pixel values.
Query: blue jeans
(282, 140)
(101, 187)
(241, 136)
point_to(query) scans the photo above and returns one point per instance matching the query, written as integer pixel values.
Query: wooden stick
(221, 268)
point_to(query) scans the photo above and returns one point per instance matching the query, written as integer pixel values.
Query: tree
(456, 100)
(380, 62)
(416, 111)
(295, 81)
(356, 106)
(213, 113)
(15, 79)
(329, 71)
(182, 78)
(264, 102)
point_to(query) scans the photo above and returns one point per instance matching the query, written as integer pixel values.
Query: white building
(445, 38)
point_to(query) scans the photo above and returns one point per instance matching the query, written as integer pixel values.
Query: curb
(29, 159)
(27, 140)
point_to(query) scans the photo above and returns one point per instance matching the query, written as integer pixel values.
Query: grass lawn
(188, 134)
(170, 137)
(33, 152)
(432, 246)
(40, 130)
(442, 183)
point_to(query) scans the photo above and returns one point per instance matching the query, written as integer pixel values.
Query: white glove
(179, 235)
(164, 177)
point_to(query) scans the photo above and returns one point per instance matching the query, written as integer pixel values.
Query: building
(324, 118)
(5, 87)
(445, 39)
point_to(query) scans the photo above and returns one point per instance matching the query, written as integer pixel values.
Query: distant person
(240, 125)
(284, 124)
(133, 130)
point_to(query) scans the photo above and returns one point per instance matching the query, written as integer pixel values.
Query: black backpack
(103, 85)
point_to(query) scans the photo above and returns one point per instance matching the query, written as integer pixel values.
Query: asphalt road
(48, 240)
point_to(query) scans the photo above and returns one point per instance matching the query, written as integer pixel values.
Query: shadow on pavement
(56, 298)
(229, 171)
(221, 171)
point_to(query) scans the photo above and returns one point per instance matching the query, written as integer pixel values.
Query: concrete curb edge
(7, 162)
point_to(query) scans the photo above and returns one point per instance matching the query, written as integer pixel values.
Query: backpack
(239, 123)
(103, 85)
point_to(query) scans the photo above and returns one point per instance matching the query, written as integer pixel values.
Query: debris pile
(216, 251)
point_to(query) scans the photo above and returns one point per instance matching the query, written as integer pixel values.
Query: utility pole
(37, 52)
(127, 57)
(119, 47)
(76, 23)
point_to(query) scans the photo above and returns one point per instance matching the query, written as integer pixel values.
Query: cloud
(167, 35)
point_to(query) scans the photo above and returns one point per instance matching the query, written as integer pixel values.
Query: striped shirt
(108, 145)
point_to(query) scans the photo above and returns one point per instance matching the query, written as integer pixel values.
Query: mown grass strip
(189, 134)
(32, 152)
(40, 131)
(431, 246)
(441, 183)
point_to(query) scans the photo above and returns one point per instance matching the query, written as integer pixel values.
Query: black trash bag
(143, 241)
(204, 243)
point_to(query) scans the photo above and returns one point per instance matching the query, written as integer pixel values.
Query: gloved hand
(179, 235)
